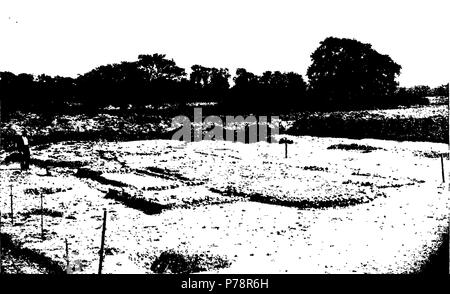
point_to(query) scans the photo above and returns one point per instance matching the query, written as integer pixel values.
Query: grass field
(425, 123)
(428, 124)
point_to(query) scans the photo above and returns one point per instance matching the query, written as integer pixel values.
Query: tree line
(344, 73)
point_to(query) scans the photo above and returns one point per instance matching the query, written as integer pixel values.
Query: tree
(346, 72)
(163, 78)
(245, 92)
(282, 91)
(200, 76)
(219, 79)
(209, 84)
(158, 67)
(245, 80)
(152, 79)
(420, 91)
(7, 84)
(441, 91)
(272, 91)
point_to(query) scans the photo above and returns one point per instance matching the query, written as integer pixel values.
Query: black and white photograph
(230, 137)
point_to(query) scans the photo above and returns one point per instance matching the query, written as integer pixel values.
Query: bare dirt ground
(334, 206)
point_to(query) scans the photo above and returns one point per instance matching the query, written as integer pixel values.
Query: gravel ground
(244, 204)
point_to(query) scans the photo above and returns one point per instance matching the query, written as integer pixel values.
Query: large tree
(151, 79)
(209, 84)
(348, 72)
(200, 76)
(157, 67)
(270, 92)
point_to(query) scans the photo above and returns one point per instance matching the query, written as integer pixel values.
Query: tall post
(285, 150)
(102, 246)
(42, 217)
(442, 168)
(67, 258)
(12, 207)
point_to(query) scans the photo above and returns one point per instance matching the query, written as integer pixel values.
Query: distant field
(425, 123)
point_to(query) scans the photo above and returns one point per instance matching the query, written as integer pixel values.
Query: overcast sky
(70, 37)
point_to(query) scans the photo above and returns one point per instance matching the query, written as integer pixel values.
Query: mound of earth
(182, 263)
(353, 146)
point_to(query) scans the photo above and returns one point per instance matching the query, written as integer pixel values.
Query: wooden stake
(102, 246)
(442, 167)
(12, 208)
(42, 218)
(68, 271)
(285, 149)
